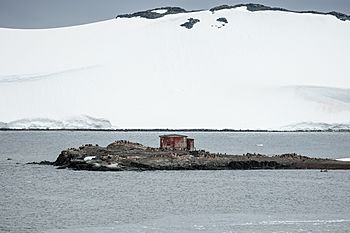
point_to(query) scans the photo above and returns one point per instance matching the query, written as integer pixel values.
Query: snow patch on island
(88, 158)
(344, 159)
(160, 11)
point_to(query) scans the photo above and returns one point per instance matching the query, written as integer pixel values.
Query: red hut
(176, 141)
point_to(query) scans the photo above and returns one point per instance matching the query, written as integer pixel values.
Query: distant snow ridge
(35, 123)
(82, 122)
(3, 125)
(316, 126)
(87, 122)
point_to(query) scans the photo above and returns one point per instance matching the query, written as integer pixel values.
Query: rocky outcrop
(45, 162)
(258, 7)
(153, 13)
(191, 22)
(222, 19)
(128, 156)
(253, 164)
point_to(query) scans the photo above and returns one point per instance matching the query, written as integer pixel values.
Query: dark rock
(222, 19)
(258, 7)
(45, 162)
(9, 159)
(250, 7)
(64, 158)
(253, 164)
(191, 22)
(339, 15)
(150, 14)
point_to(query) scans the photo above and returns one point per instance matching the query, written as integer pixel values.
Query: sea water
(37, 198)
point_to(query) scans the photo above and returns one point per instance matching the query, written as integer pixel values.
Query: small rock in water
(45, 162)
(9, 159)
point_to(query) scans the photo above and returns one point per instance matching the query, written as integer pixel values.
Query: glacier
(77, 122)
(269, 69)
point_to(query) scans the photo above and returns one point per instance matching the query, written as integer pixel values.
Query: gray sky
(58, 13)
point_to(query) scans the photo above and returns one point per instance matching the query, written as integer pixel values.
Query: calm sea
(43, 199)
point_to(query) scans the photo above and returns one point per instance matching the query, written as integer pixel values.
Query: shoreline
(185, 130)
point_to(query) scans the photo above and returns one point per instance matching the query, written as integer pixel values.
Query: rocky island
(129, 156)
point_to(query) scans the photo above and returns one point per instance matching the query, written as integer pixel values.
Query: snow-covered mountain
(243, 67)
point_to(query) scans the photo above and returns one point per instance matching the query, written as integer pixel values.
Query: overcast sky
(58, 13)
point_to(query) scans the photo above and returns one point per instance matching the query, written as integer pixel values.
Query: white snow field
(261, 70)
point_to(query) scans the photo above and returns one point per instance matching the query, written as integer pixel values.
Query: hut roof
(172, 136)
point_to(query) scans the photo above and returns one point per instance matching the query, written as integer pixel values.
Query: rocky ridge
(259, 7)
(153, 14)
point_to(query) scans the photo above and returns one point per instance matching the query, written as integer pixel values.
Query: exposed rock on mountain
(222, 19)
(258, 7)
(191, 22)
(155, 13)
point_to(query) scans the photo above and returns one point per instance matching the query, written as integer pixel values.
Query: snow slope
(261, 70)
